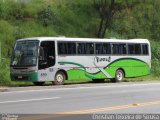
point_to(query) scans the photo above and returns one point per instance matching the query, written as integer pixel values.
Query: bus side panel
(80, 74)
(76, 74)
(80, 67)
(131, 67)
(85, 67)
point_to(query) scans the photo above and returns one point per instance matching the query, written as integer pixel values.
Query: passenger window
(103, 48)
(145, 49)
(134, 49)
(89, 48)
(99, 48)
(62, 48)
(131, 49)
(66, 48)
(71, 48)
(85, 48)
(106, 48)
(137, 49)
(119, 49)
(81, 48)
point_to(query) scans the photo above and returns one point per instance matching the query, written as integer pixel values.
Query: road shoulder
(72, 86)
(4, 89)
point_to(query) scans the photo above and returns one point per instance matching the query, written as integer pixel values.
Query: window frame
(147, 49)
(119, 43)
(66, 43)
(102, 43)
(83, 54)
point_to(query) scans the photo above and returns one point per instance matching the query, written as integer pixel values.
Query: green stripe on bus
(131, 67)
(81, 66)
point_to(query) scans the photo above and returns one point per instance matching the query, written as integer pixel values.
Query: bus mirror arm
(43, 62)
(51, 57)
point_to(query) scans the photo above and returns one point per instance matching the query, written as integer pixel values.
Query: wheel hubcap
(59, 78)
(119, 76)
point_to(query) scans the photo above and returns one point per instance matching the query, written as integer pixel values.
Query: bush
(47, 16)
(6, 36)
(155, 50)
(4, 72)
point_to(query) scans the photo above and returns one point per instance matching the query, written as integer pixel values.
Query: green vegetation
(78, 18)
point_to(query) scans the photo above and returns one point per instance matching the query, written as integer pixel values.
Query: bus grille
(22, 78)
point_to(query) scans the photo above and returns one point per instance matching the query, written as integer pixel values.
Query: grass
(5, 77)
(149, 78)
(71, 19)
(141, 79)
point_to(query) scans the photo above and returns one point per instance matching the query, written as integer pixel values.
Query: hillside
(77, 18)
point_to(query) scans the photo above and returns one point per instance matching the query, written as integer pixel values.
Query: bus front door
(46, 60)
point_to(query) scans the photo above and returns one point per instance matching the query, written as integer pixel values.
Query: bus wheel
(119, 75)
(59, 78)
(38, 83)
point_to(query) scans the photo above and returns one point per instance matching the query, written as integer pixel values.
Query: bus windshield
(25, 53)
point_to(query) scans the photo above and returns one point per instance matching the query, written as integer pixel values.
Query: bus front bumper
(32, 77)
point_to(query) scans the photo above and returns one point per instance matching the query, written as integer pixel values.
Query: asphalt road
(105, 98)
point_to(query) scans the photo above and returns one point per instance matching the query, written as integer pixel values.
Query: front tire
(59, 78)
(119, 76)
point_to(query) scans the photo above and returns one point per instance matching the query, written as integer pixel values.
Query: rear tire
(119, 76)
(38, 83)
(60, 77)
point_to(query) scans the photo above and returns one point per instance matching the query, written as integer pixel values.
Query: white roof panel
(86, 39)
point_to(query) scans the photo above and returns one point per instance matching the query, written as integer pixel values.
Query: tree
(106, 9)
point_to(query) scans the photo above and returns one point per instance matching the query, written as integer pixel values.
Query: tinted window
(85, 48)
(131, 49)
(62, 48)
(119, 48)
(89, 48)
(66, 48)
(99, 48)
(134, 49)
(137, 49)
(81, 48)
(145, 49)
(71, 48)
(106, 48)
(103, 48)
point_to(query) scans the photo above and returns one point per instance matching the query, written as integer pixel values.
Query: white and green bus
(58, 59)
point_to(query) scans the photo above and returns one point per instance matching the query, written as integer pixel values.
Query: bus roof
(86, 39)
